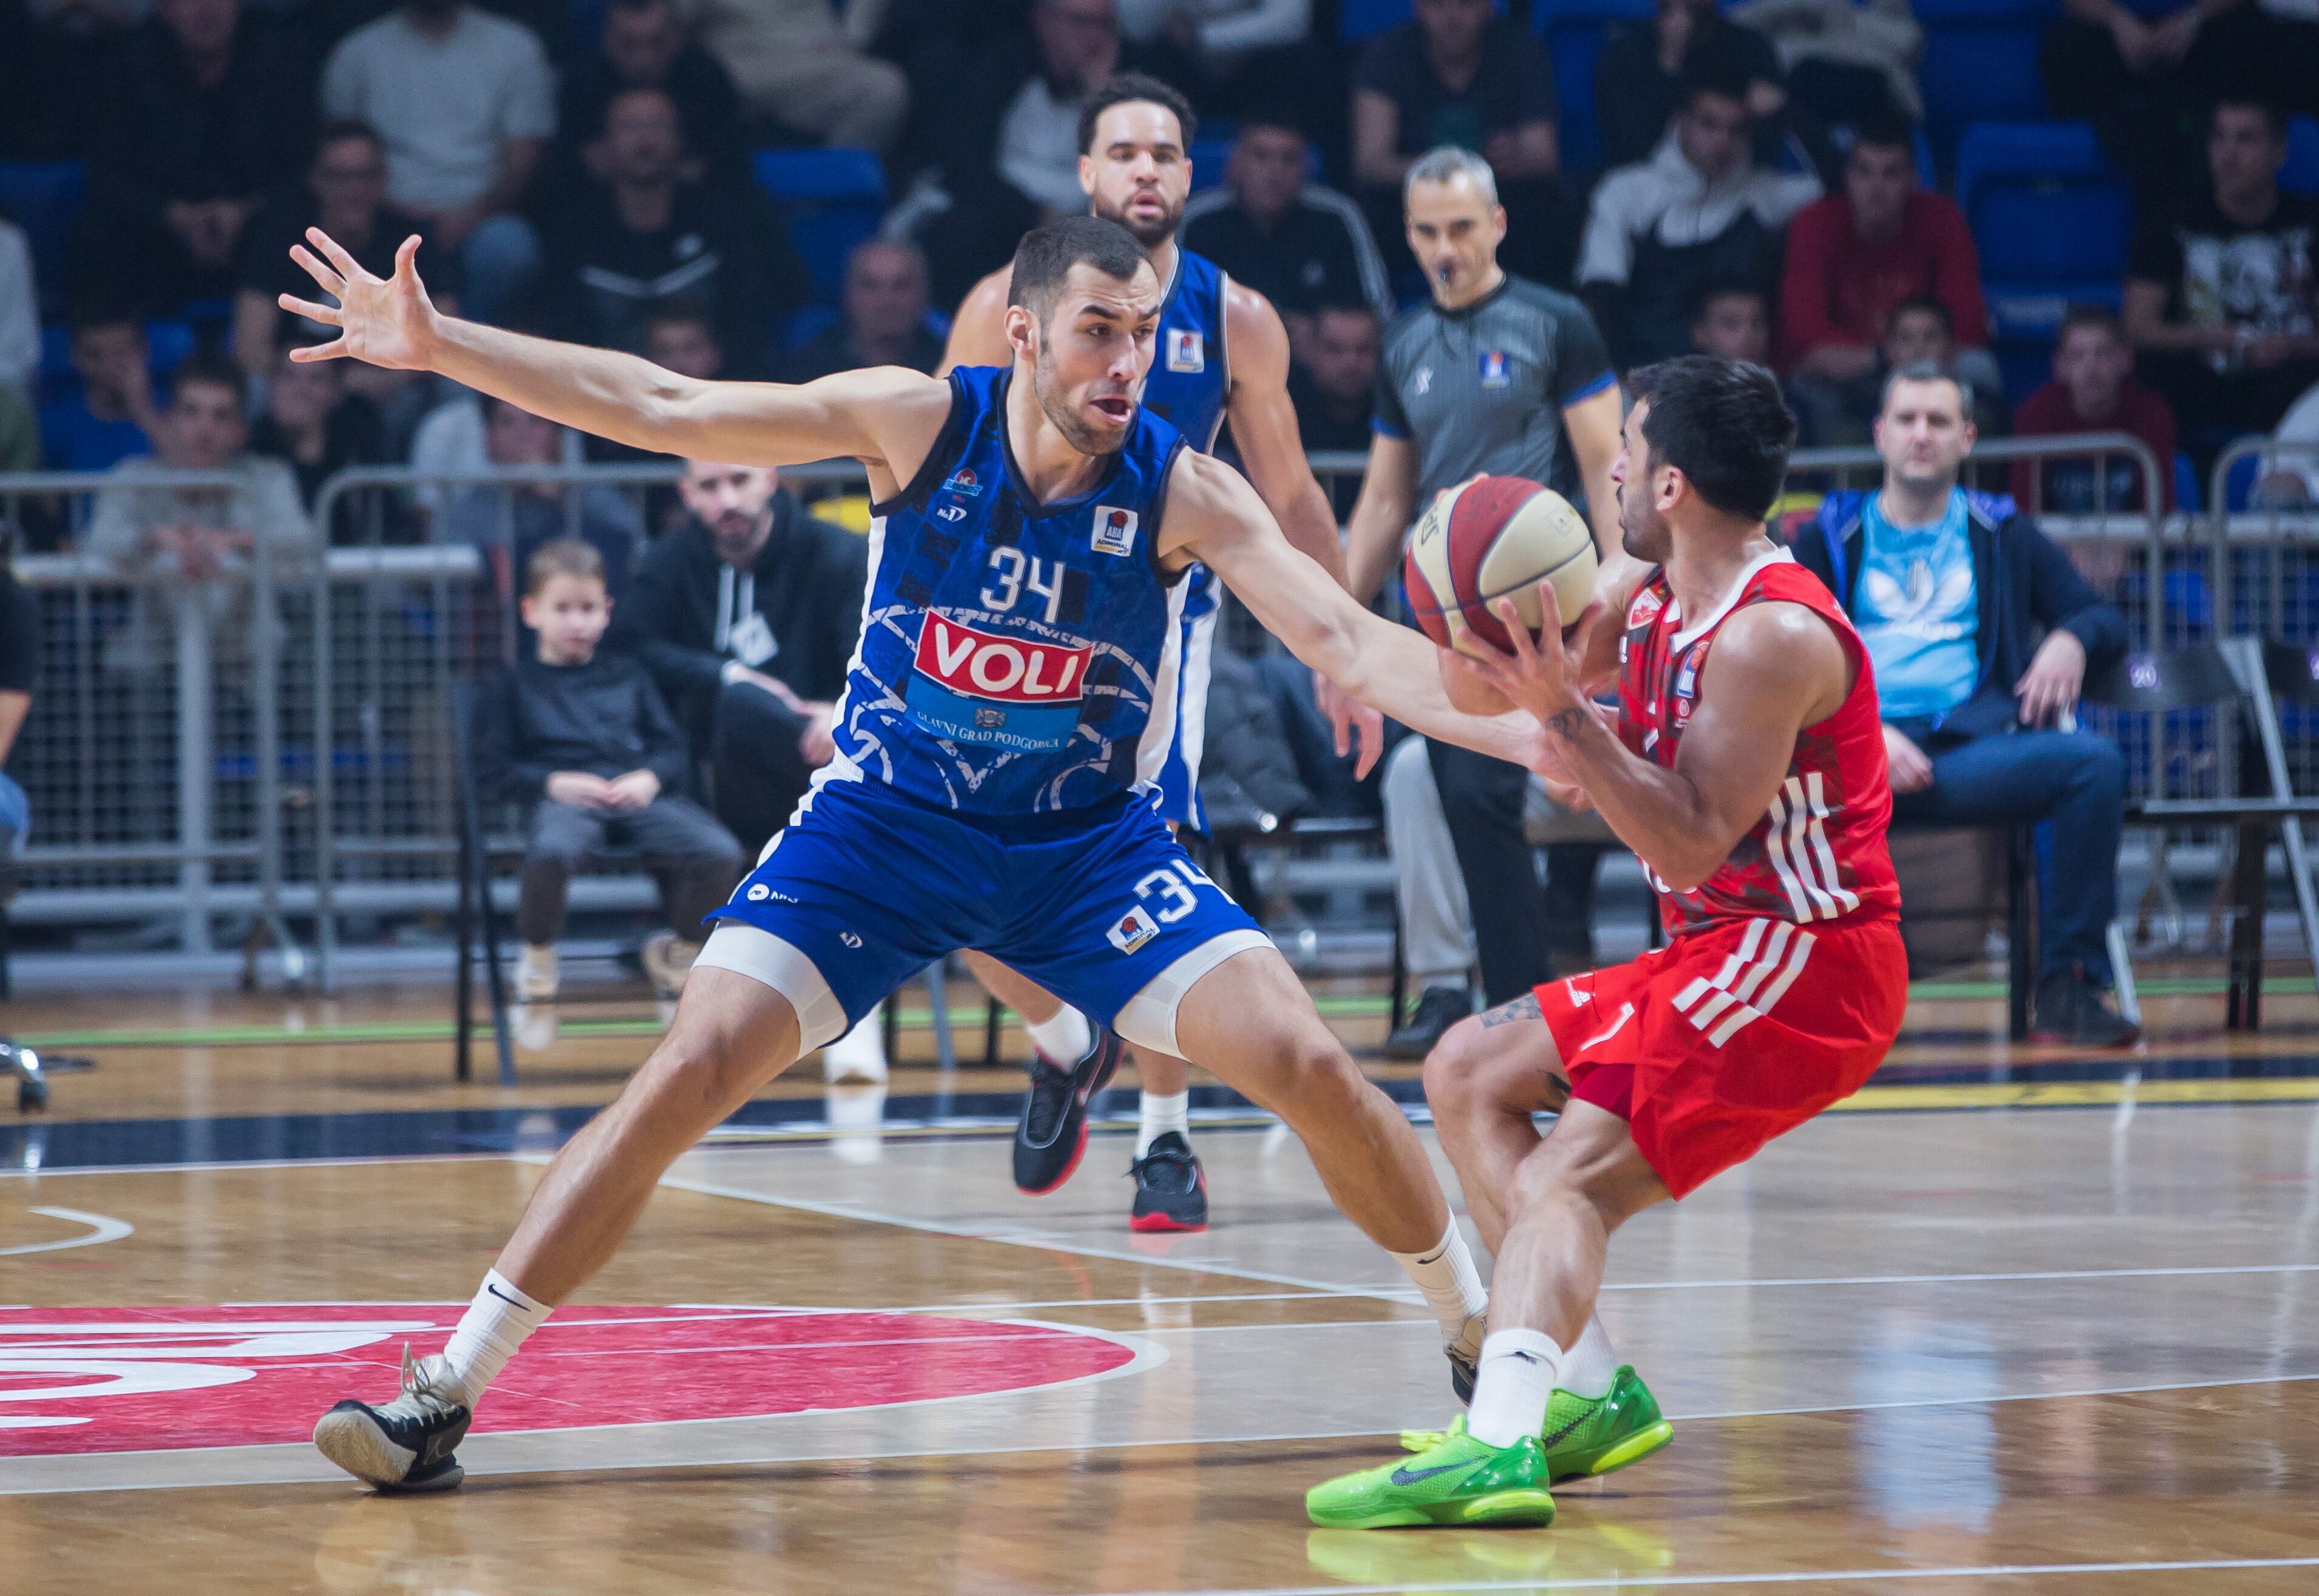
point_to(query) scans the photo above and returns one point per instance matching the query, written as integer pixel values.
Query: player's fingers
(406, 258)
(1372, 749)
(1466, 641)
(332, 284)
(1526, 651)
(336, 254)
(307, 354)
(328, 315)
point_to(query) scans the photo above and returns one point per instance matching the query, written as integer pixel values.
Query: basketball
(1494, 537)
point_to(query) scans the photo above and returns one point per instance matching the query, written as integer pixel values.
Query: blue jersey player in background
(1220, 352)
(1004, 721)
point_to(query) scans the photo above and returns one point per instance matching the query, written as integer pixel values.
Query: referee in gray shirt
(1503, 376)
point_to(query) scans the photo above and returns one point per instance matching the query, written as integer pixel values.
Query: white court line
(1012, 1236)
(1620, 1581)
(101, 1230)
(59, 1172)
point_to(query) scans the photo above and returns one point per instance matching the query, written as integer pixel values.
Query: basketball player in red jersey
(1745, 767)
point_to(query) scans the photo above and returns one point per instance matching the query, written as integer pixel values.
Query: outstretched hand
(384, 321)
(1350, 720)
(1542, 675)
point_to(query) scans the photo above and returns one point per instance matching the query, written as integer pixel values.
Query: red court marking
(137, 1379)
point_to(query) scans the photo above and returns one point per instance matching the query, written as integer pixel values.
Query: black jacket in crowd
(604, 718)
(809, 579)
(2023, 586)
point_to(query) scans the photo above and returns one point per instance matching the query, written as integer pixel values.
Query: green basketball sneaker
(1583, 1437)
(1461, 1480)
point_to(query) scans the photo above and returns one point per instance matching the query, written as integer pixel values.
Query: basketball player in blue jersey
(1004, 719)
(1220, 352)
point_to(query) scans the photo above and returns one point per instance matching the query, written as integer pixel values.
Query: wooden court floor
(2016, 1320)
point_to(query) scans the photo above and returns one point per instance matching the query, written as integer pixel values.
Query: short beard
(1068, 420)
(1643, 534)
(1150, 235)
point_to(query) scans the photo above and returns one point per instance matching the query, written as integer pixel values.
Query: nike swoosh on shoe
(1403, 1476)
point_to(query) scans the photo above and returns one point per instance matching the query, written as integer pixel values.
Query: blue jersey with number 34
(1016, 657)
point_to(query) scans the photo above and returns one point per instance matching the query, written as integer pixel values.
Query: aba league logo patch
(1186, 351)
(1115, 529)
(112, 1380)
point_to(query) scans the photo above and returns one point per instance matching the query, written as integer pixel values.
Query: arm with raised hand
(869, 415)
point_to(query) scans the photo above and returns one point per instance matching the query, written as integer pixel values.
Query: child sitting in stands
(588, 737)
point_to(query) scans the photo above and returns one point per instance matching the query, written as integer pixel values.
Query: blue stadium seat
(835, 198)
(1363, 19)
(2300, 175)
(1572, 31)
(2051, 218)
(44, 198)
(2188, 496)
(1209, 155)
(1981, 64)
(166, 344)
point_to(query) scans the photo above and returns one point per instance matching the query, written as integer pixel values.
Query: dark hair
(1723, 288)
(1927, 371)
(1047, 254)
(561, 556)
(216, 370)
(1885, 129)
(1929, 305)
(2271, 112)
(1278, 119)
(1711, 72)
(1345, 307)
(1123, 88)
(88, 315)
(1723, 424)
(2089, 315)
(346, 127)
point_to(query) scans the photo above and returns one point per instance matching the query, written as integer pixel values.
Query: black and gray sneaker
(1050, 1137)
(406, 1444)
(1171, 1191)
(1464, 1355)
(1437, 1009)
(2070, 1011)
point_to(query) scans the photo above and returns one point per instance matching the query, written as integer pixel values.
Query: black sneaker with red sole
(1171, 1191)
(1050, 1138)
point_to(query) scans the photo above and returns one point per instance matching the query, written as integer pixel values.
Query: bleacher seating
(2300, 175)
(1572, 31)
(1363, 19)
(1981, 65)
(835, 198)
(44, 198)
(2051, 216)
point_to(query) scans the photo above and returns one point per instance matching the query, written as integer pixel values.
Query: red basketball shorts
(1710, 1047)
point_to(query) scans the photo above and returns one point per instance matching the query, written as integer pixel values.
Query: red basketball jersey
(1818, 855)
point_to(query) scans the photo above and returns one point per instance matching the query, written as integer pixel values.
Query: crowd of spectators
(1752, 181)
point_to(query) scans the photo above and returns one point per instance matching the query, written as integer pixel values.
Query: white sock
(1591, 1364)
(1446, 1277)
(1161, 1115)
(495, 1325)
(1064, 1038)
(1517, 1374)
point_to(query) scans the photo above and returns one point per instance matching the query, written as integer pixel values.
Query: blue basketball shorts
(865, 887)
(1176, 795)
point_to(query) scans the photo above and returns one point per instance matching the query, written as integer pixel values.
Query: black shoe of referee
(1050, 1138)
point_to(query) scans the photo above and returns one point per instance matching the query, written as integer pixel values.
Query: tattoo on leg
(1524, 1008)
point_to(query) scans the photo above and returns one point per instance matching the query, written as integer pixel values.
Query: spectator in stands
(317, 426)
(747, 617)
(208, 537)
(1039, 136)
(109, 415)
(1639, 75)
(1734, 321)
(1848, 60)
(1921, 333)
(1457, 74)
(20, 313)
(2220, 290)
(1334, 391)
(645, 46)
(1949, 589)
(2289, 479)
(20, 674)
(1235, 57)
(581, 732)
(345, 196)
(644, 237)
(20, 434)
(466, 104)
(513, 523)
(2093, 390)
(2143, 70)
(802, 63)
(684, 342)
(1699, 211)
(1852, 259)
(884, 318)
(209, 112)
(1297, 243)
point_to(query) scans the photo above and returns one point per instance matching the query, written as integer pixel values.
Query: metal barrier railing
(269, 745)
